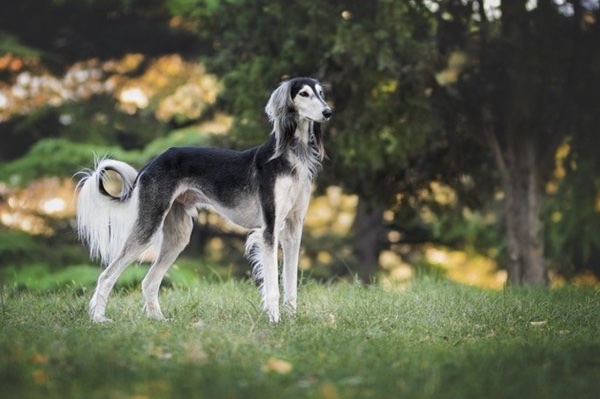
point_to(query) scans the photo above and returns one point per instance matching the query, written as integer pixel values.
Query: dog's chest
(304, 162)
(291, 194)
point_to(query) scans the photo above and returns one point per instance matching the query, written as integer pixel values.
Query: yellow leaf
(539, 323)
(38, 358)
(278, 366)
(329, 391)
(40, 377)
(330, 319)
(164, 334)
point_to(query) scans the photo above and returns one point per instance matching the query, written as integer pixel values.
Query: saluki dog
(265, 189)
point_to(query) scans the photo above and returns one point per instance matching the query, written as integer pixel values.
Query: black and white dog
(265, 189)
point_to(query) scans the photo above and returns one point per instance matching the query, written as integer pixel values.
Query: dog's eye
(303, 94)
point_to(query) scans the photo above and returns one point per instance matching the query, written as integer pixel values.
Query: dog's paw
(274, 319)
(273, 316)
(289, 309)
(271, 307)
(156, 316)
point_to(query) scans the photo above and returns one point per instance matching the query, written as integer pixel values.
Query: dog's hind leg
(261, 250)
(130, 252)
(176, 231)
(149, 219)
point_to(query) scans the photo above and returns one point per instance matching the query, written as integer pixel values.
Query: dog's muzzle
(327, 112)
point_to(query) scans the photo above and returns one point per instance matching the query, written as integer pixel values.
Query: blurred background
(463, 145)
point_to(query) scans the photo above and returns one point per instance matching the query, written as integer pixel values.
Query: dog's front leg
(291, 237)
(270, 289)
(290, 242)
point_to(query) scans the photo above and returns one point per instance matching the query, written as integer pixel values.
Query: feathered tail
(104, 221)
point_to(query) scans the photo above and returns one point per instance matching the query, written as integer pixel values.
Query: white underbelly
(246, 214)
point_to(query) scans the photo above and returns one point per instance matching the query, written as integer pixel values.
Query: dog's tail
(105, 220)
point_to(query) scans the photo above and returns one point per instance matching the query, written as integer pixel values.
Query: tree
(67, 72)
(371, 56)
(520, 86)
(73, 83)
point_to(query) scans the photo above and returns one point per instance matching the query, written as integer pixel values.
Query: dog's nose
(327, 113)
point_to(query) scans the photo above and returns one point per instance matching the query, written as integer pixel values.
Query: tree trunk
(524, 226)
(366, 240)
(519, 156)
(524, 231)
(519, 167)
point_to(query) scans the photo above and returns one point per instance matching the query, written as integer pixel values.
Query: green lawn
(434, 340)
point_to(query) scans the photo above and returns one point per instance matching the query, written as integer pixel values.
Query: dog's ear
(281, 113)
(318, 138)
(285, 129)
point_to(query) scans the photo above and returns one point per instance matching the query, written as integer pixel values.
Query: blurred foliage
(372, 57)
(573, 210)
(17, 245)
(520, 83)
(19, 249)
(54, 157)
(57, 157)
(448, 91)
(39, 277)
(407, 80)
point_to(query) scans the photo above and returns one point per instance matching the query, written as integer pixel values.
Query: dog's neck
(302, 153)
(303, 130)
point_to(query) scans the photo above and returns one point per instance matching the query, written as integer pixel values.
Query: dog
(265, 189)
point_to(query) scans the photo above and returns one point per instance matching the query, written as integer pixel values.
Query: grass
(434, 340)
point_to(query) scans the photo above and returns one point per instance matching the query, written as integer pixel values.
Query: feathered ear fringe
(318, 135)
(280, 110)
(285, 129)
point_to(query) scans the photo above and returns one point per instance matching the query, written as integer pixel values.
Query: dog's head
(301, 97)
(294, 99)
(309, 100)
